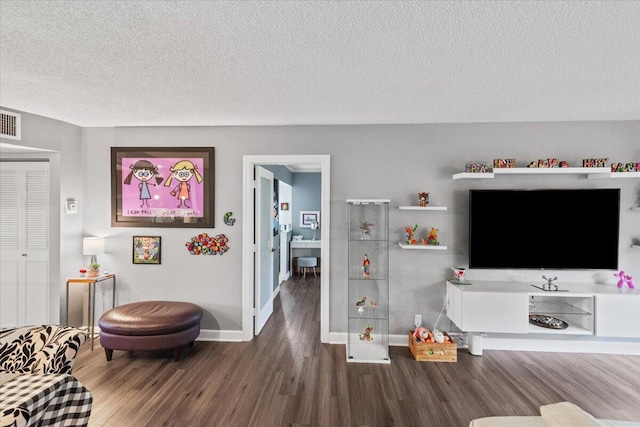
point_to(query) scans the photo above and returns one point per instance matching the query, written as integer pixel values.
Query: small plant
(94, 266)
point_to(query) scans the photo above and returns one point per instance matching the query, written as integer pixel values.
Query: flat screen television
(566, 229)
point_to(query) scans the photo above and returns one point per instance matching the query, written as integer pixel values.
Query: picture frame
(308, 217)
(284, 206)
(162, 187)
(147, 250)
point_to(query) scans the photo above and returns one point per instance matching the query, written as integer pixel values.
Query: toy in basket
(435, 346)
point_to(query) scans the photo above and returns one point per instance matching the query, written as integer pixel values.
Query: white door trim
(248, 163)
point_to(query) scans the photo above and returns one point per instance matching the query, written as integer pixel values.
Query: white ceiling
(135, 63)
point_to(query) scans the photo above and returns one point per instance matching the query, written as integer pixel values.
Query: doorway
(322, 163)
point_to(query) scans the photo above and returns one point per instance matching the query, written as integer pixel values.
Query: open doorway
(322, 163)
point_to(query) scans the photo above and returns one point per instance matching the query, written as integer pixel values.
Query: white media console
(500, 310)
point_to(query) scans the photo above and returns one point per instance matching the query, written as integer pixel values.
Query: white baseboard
(214, 335)
(563, 344)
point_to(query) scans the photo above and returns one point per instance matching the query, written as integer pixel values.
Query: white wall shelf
(615, 175)
(636, 209)
(422, 208)
(423, 247)
(592, 173)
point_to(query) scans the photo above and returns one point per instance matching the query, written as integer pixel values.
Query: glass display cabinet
(368, 281)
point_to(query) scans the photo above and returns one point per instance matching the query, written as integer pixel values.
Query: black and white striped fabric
(44, 400)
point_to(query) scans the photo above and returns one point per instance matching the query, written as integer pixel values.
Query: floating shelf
(592, 173)
(615, 175)
(423, 247)
(422, 208)
(636, 209)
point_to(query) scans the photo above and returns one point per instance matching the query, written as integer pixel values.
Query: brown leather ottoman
(150, 325)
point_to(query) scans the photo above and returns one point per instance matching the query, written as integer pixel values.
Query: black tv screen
(575, 229)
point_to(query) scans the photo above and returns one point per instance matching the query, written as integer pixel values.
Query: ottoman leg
(176, 354)
(108, 353)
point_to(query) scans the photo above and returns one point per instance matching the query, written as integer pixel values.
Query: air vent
(10, 125)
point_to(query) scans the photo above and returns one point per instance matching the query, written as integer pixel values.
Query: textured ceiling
(130, 63)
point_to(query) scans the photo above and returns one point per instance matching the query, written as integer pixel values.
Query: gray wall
(368, 161)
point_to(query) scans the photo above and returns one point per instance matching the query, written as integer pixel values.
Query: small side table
(91, 281)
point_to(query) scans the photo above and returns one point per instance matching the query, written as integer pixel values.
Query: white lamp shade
(93, 245)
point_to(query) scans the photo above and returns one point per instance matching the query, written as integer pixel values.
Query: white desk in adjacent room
(304, 248)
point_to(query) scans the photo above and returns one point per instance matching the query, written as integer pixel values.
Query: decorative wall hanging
(162, 187)
(228, 220)
(203, 244)
(146, 249)
(309, 217)
(284, 206)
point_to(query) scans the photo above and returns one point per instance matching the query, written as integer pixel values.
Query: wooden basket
(432, 351)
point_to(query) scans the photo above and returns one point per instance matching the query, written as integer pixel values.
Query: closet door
(24, 243)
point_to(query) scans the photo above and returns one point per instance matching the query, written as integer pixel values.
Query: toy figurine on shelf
(374, 304)
(423, 199)
(365, 230)
(410, 234)
(365, 266)
(432, 238)
(366, 335)
(361, 302)
(625, 278)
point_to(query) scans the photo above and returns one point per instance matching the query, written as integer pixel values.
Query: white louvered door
(24, 243)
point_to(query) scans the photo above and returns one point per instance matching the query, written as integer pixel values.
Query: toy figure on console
(625, 278)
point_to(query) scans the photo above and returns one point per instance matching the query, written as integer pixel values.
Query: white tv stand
(491, 307)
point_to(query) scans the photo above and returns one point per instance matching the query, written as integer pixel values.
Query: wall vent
(10, 125)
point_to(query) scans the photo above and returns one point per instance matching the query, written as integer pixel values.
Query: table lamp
(93, 246)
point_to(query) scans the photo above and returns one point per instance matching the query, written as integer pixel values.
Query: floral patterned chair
(40, 349)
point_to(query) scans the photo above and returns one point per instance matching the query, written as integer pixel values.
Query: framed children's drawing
(146, 249)
(162, 187)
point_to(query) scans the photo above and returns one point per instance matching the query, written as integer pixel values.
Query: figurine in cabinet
(365, 266)
(365, 230)
(366, 335)
(432, 238)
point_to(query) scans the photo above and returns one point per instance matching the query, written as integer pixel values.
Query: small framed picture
(309, 217)
(146, 249)
(284, 206)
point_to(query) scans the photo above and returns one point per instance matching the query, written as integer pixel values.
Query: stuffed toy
(440, 337)
(421, 334)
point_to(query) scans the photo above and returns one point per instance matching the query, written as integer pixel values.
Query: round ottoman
(150, 325)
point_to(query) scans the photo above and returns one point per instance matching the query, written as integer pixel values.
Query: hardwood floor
(286, 377)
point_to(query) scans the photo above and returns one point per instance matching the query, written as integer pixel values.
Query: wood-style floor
(286, 377)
